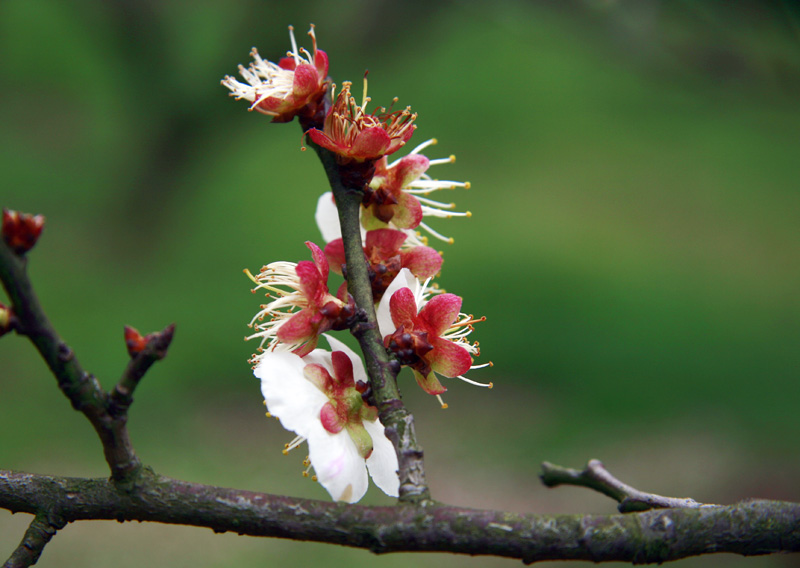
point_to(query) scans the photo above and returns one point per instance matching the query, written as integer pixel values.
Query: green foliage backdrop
(634, 244)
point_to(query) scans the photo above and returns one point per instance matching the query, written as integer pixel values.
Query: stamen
(476, 383)
(424, 145)
(439, 236)
(443, 403)
(365, 99)
(438, 161)
(294, 52)
(293, 444)
(469, 321)
(251, 277)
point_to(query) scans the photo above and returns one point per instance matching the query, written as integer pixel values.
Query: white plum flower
(318, 397)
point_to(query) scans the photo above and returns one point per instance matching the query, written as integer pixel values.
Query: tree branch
(748, 528)
(39, 533)
(595, 476)
(382, 371)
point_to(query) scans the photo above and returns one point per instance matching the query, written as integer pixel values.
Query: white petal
(319, 357)
(339, 467)
(327, 217)
(289, 395)
(404, 279)
(382, 464)
(359, 373)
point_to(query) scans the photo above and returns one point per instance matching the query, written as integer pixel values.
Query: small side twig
(156, 348)
(595, 476)
(39, 533)
(107, 414)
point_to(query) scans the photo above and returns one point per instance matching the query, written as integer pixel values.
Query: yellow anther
(468, 214)
(467, 185)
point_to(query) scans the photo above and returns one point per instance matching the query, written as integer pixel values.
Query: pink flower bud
(21, 230)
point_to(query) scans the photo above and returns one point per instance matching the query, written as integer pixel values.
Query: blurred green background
(634, 246)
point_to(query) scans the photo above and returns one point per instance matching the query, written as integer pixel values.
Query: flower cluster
(325, 397)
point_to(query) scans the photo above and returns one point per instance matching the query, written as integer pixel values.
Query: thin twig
(753, 527)
(595, 476)
(81, 388)
(39, 533)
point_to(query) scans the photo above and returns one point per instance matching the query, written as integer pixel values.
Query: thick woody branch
(39, 533)
(595, 476)
(399, 423)
(748, 528)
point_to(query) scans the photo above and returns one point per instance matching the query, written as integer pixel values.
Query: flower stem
(398, 422)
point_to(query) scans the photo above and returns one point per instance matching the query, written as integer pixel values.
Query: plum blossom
(397, 197)
(357, 136)
(397, 193)
(296, 85)
(429, 336)
(318, 398)
(387, 252)
(302, 307)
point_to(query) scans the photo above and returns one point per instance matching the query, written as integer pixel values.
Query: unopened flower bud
(6, 319)
(21, 230)
(134, 341)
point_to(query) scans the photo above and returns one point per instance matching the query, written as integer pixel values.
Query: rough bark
(748, 528)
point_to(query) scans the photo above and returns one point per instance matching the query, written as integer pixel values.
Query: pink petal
(311, 283)
(298, 328)
(319, 138)
(287, 63)
(342, 369)
(321, 62)
(329, 418)
(399, 142)
(342, 292)
(423, 262)
(429, 384)
(272, 104)
(334, 251)
(381, 168)
(370, 143)
(306, 81)
(386, 241)
(318, 375)
(407, 212)
(319, 260)
(409, 169)
(448, 358)
(440, 312)
(403, 308)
